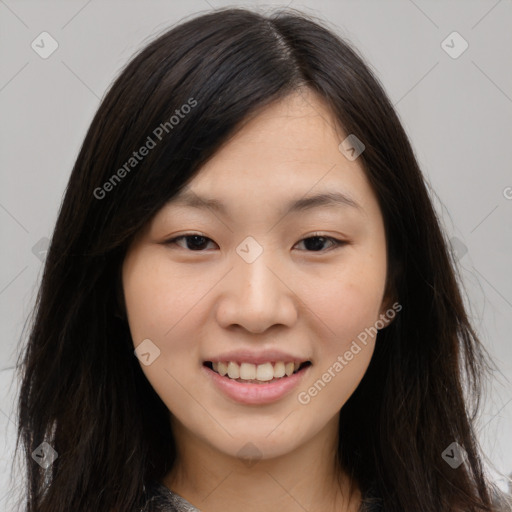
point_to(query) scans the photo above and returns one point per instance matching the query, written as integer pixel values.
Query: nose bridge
(256, 298)
(257, 283)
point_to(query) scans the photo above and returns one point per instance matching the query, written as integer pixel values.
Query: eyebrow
(323, 199)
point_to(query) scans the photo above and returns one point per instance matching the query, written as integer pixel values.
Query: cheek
(345, 346)
(160, 307)
(348, 301)
(158, 300)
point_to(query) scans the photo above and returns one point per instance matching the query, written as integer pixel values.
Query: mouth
(249, 373)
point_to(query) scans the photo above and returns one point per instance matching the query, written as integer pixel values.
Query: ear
(390, 305)
(388, 311)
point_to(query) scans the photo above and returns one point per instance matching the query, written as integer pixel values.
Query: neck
(306, 478)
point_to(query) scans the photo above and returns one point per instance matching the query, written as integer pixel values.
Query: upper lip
(265, 356)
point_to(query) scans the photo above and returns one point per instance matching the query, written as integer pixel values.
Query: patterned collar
(162, 499)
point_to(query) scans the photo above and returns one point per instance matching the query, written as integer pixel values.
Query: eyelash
(335, 242)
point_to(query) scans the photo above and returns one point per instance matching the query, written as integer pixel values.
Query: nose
(256, 296)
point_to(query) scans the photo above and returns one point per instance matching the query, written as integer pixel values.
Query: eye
(193, 242)
(318, 241)
(197, 243)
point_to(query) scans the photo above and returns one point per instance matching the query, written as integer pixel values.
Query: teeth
(247, 371)
(233, 370)
(279, 370)
(261, 372)
(265, 372)
(222, 369)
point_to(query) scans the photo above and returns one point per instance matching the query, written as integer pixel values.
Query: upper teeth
(249, 371)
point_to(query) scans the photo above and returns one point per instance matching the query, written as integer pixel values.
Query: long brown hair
(83, 391)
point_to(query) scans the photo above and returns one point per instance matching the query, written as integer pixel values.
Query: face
(246, 273)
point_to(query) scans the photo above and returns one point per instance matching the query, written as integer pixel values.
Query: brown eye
(198, 243)
(193, 242)
(316, 242)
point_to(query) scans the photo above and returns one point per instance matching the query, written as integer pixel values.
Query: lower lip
(256, 394)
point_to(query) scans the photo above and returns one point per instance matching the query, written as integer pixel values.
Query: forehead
(287, 156)
(323, 199)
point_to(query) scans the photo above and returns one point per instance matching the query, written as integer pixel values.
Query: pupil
(315, 243)
(195, 245)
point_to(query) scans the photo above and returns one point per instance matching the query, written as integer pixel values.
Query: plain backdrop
(453, 93)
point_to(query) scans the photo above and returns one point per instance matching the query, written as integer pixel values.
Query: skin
(309, 301)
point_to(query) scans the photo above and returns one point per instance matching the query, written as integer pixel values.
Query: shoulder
(372, 500)
(162, 499)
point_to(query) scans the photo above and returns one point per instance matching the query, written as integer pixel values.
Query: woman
(248, 302)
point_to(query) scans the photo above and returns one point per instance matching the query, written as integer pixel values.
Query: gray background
(457, 112)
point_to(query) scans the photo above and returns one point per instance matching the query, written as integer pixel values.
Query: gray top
(162, 499)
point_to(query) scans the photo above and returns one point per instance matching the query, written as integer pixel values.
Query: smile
(256, 373)
(256, 384)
